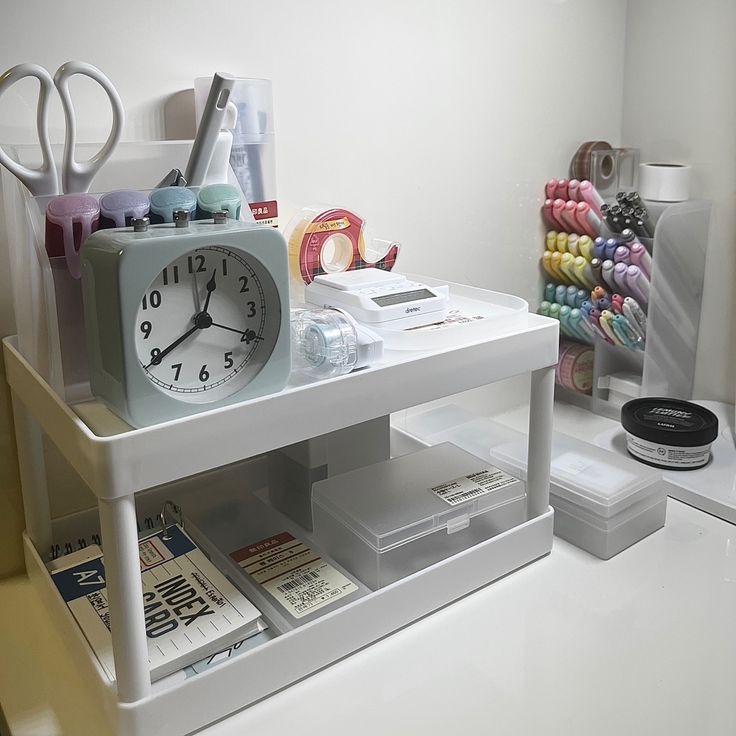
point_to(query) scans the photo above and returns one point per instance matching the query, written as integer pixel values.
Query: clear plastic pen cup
(253, 154)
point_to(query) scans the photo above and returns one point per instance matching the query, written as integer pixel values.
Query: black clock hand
(211, 286)
(247, 336)
(157, 360)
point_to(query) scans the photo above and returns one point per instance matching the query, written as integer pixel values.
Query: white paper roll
(664, 182)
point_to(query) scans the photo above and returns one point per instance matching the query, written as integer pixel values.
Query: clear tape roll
(664, 182)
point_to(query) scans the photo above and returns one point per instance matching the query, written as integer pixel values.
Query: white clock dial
(207, 324)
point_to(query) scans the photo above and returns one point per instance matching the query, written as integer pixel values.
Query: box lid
(399, 500)
(587, 476)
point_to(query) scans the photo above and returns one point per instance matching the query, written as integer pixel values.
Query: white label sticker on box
(299, 579)
(471, 486)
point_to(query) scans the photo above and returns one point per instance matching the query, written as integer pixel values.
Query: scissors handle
(77, 175)
(43, 180)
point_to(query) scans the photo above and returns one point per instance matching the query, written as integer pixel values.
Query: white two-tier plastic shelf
(116, 462)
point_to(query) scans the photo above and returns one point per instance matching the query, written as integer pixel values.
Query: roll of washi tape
(581, 165)
(575, 367)
(330, 241)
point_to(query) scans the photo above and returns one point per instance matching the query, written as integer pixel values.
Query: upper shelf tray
(116, 460)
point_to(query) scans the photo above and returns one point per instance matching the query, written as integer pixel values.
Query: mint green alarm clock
(185, 317)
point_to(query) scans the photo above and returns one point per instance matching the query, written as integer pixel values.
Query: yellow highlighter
(584, 272)
(607, 327)
(555, 260)
(562, 242)
(572, 244)
(547, 265)
(585, 247)
(567, 266)
(552, 240)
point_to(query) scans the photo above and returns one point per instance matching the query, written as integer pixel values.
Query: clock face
(207, 324)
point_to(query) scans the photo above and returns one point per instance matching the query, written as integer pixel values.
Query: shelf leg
(32, 466)
(541, 405)
(125, 597)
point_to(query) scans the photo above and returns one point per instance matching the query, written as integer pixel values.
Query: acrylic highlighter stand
(204, 455)
(667, 365)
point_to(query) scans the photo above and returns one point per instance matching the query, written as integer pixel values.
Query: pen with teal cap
(634, 340)
(586, 306)
(565, 322)
(579, 322)
(580, 296)
(570, 295)
(549, 291)
(561, 294)
(219, 198)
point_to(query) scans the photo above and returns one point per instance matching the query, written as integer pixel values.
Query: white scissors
(76, 176)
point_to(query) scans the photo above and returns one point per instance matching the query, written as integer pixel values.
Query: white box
(388, 520)
(603, 503)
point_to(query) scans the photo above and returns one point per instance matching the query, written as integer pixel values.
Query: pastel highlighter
(547, 265)
(557, 207)
(70, 220)
(584, 272)
(638, 284)
(561, 242)
(573, 190)
(550, 189)
(607, 275)
(640, 257)
(568, 217)
(548, 215)
(551, 240)
(585, 247)
(561, 189)
(572, 244)
(620, 277)
(567, 265)
(590, 223)
(590, 195)
(621, 255)
(164, 201)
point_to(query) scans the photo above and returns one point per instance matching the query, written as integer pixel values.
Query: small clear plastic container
(394, 518)
(274, 562)
(603, 503)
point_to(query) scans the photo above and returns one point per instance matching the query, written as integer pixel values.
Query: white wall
(680, 105)
(438, 121)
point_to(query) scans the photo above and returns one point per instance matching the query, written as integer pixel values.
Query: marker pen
(583, 272)
(557, 207)
(596, 265)
(549, 215)
(589, 221)
(599, 248)
(640, 257)
(631, 335)
(550, 188)
(549, 292)
(587, 306)
(617, 303)
(570, 293)
(561, 189)
(610, 247)
(631, 306)
(620, 277)
(619, 331)
(562, 242)
(591, 196)
(605, 322)
(621, 197)
(638, 284)
(581, 296)
(547, 265)
(603, 304)
(565, 321)
(554, 311)
(573, 187)
(585, 247)
(598, 293)
(551, 239)
(561, 294)
(572, 244)
(568, 216)
(580, 322)
(544, 308)
(621, 255)
(595, 319)
(607, 275)
(629, 314)
(567, 266)
(556, 261)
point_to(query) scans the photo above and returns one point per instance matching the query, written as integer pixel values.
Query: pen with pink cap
(547, 215)
(590, 195)
(573, 190)
(561, 189)
(568, 216)
(589, 221)
(550, 188)
(557, 207)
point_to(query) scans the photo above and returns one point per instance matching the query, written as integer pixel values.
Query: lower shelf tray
(179, 704)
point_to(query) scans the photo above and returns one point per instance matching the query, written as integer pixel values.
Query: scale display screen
(404, 296)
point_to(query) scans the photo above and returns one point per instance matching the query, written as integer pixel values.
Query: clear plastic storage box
(388, 520)
(603, 502)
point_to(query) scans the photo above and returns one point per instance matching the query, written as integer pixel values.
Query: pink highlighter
(617, 303)
(557, 206)
(589, 221)
(590, 195)
(573, 190)
(568, 216)
(548, 216)
(561, 189)
(550, 189)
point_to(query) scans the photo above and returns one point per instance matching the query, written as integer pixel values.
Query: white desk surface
(644, 643)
